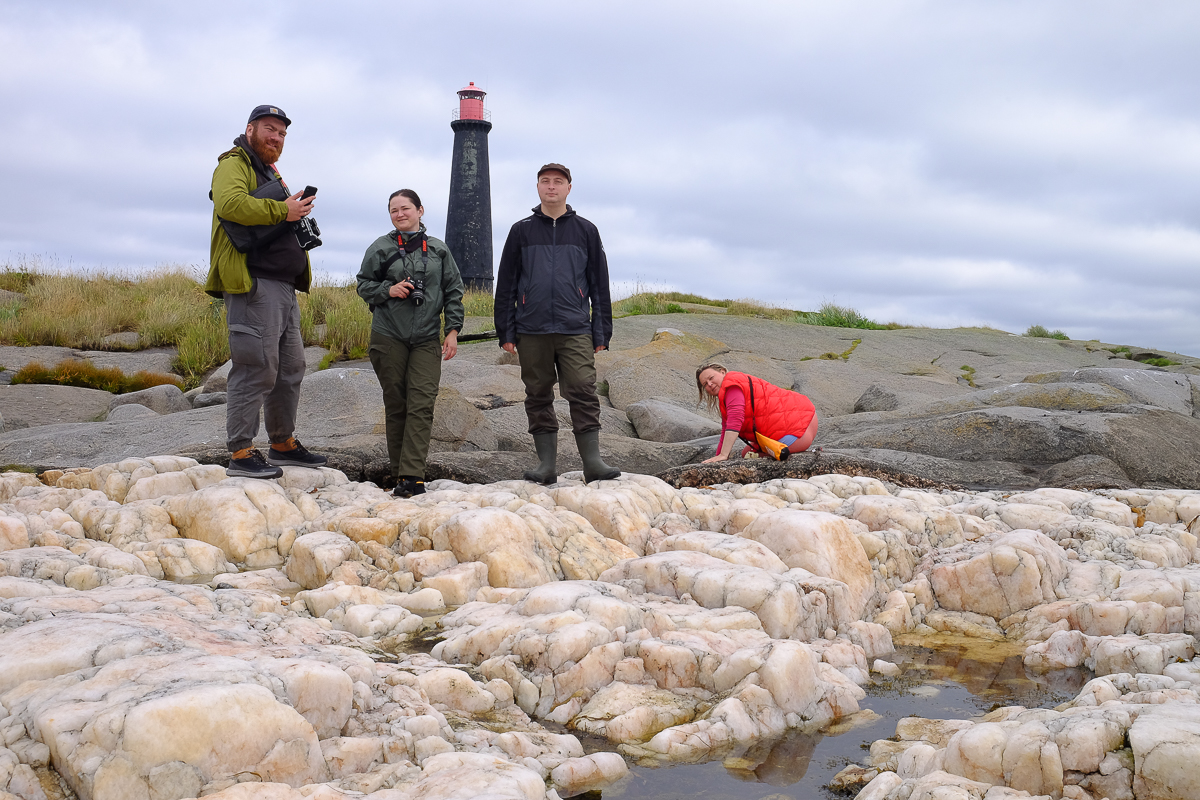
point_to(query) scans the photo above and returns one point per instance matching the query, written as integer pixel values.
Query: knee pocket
(246, 345)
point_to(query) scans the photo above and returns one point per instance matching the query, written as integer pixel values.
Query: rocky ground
(971, 408)
(168, 632)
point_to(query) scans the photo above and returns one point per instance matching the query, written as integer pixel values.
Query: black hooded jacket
(553, 278)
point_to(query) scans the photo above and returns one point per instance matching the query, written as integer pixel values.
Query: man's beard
(266, 152)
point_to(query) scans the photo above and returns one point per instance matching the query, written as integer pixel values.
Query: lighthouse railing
(485, 115)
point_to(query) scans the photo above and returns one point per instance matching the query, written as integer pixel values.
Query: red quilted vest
(777, 412)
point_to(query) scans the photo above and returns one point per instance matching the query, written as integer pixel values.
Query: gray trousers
(409, 377)
(268, 362)
(571, 362)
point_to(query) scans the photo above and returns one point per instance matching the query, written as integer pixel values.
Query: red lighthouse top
(470, 102)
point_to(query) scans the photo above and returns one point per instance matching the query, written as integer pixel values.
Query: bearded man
(258, 277)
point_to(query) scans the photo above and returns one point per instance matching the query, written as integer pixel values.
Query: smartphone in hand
(309, 191)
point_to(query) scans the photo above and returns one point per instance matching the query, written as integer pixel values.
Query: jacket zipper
(553, 265)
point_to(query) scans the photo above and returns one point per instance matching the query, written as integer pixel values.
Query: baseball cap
(555, 168)
(268, 111)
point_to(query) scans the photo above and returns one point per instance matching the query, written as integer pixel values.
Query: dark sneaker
(297, 456)
(251, 465)
(407, 487)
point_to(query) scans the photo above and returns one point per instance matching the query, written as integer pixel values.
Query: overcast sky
(936, 163)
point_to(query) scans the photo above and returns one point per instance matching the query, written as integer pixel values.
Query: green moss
(1159, 362)
(843, 356)
(968, 374)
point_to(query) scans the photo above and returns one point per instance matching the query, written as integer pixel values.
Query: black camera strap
(403, 251)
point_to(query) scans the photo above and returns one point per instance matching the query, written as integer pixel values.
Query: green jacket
(403, 320)
(232, 182)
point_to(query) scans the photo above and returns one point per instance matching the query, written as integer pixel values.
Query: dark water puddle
(960, 679)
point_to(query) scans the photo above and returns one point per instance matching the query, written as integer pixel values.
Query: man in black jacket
(552, 301)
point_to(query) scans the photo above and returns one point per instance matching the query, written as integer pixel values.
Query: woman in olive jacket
(409, 279)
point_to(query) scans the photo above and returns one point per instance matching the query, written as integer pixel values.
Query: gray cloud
(929, 162)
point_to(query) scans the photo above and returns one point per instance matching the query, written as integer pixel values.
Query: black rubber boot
(594, 468)
(546, 445)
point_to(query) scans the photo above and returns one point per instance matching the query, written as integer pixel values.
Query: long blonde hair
(705, 398)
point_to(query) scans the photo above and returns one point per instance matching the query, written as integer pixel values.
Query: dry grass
(204, 345)
(87, 375)
(646, 302)
(79, 310)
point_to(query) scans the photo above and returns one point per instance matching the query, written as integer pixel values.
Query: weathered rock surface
(965, 407)
(164, 399)
(130, 411)
(660, 420)
(679, 623)
(155, 359)
(511, 425)
(29, 405)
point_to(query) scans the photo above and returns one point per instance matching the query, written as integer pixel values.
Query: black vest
(281, 259)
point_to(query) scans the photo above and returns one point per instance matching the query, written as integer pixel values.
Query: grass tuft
(87, 375)
(203, 346)
(835, 316)
(478, 304)
(1040, 332)
(16, 279)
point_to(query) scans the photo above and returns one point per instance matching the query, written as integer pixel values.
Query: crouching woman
(410, 279)
(751, 405)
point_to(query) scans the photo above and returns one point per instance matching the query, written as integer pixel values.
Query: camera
(308, 234)
(417, 295)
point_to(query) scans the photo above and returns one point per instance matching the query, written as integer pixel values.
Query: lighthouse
(469, 217)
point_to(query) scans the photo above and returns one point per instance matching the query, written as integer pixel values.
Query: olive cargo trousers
(409, 376)
(571, 361)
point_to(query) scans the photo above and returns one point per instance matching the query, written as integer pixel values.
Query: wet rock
(590, 773)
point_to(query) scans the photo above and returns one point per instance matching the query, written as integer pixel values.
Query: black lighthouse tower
(469, 217)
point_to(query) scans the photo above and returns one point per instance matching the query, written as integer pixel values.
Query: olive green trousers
(409, 376)
(569, 360)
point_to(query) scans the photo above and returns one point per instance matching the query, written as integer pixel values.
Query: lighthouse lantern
(470, 102)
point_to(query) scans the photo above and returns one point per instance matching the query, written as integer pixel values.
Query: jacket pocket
(246, 346)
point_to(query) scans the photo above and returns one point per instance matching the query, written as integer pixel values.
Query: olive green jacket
(232, 182)
(403, 320)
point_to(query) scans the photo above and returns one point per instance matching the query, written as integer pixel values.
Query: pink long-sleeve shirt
(735, 413)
